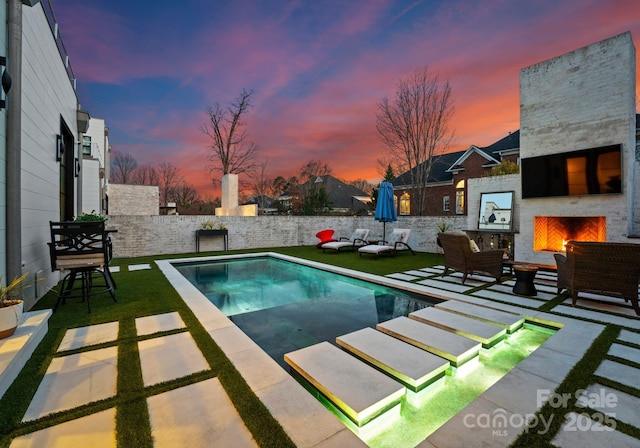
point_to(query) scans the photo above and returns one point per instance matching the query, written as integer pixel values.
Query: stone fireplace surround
(551, 233)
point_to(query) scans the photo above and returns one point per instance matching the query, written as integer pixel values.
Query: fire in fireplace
(551, 233)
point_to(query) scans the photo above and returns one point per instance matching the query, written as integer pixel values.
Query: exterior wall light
(6, 81)
(59, 148)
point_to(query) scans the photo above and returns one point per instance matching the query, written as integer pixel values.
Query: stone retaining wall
(175, 234)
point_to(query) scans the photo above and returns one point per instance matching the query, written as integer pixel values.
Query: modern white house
(46, 172)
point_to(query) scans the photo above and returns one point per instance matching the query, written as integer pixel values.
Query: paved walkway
(73, 380)
(82, 374)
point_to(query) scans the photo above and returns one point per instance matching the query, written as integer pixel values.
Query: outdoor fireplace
(551, 233)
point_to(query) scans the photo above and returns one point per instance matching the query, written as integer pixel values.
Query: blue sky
(318, 69)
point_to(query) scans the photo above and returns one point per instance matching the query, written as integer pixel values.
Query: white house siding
(47, 94)
(92, 184)
(582, 99)
(91, 195)
(3, 152)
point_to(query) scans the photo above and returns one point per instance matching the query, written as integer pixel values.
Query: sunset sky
(318, 69)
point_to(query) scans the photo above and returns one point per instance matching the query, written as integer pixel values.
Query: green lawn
(143, 293)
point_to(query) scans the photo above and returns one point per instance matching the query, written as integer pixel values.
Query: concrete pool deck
(306, 421)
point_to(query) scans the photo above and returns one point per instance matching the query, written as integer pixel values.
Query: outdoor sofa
(610, 268)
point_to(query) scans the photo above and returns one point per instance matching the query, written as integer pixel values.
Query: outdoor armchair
(459, 256)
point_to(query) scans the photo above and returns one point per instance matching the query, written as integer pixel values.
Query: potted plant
(442, 226)
(90, 217)
(210, 228)
(11, 305)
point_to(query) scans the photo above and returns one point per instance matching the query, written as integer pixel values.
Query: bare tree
(314, 168)
(184, 195)
(361, 184)
(415, 126)
(262, 186)
(123, 166)
(229, 150)
(169, 178)
(146, 175)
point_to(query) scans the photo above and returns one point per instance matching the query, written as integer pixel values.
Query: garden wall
(175, 234)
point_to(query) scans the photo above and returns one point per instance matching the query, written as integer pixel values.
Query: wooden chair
(609, 268)
(82, 249)
(459, 256)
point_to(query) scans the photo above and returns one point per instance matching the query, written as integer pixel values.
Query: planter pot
(10, 318)
(210, 232)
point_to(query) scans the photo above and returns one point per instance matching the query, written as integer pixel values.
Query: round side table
(525, 275)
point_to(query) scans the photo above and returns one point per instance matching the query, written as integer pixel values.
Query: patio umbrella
(385, 207)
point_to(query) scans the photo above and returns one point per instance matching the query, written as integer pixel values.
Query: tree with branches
(184, 195)
(169, 178)
(146, 175)
(415, 126)
(123, 166)
(230, 151)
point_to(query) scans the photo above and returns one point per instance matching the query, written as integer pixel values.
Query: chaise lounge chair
(398, 241)
(325, 236)
(358, 238)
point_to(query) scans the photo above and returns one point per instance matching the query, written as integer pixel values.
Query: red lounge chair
(325, 236)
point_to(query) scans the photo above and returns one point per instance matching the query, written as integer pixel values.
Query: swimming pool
(284, 306)
(276, 389)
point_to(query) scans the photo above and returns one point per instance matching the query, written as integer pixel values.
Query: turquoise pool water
(284, 306)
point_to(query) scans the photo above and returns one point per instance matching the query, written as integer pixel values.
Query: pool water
(283, 306)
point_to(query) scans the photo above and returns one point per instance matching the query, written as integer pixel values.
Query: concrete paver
(580, 430)
(620, 405)
(629, 336)
(359, 390)
(625, 352)
(159, 322)
(91, 335)
(139, 267)
(169, 357)
(200, 414)
(95, 430)
(621, 373)
(74, 380)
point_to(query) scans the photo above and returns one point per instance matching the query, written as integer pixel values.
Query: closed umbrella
(385, 207)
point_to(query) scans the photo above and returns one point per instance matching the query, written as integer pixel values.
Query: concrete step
(17, 349)
(357, 389)
(511, 322)
(457, 349)
(484, 332)
(413, 367)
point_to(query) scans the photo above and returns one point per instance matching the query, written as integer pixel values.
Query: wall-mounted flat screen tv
(574, 173)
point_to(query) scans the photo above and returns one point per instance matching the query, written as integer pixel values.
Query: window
(460, 198)
(405, 204)
(86, 145)
(445, 203)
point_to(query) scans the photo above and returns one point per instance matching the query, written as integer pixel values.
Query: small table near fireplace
(525, 275)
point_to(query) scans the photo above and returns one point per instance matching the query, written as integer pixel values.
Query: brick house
(447, 182)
